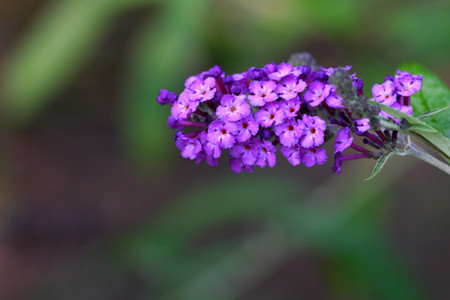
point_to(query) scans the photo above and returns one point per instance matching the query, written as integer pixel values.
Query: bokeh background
(96, 203)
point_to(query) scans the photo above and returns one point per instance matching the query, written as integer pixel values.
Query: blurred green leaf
(51, 52)
(433, 112)
(380, 164)
(164, 54)
(434, 94)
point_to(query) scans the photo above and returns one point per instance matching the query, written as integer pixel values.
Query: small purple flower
(190, 80)
(269, 68)
(384, 93)
(210, 149)
(237, 166)
(262, 92)
(183, 107)
(233, 108)
(407, 109)
(283, 69)
(265, 134)
(289, 87)
(247, 152)
(293, 154)
(316, 76)
(289, 132)
(190, 147)
(314, 155)
(240, 76)
(202, 90)
(358, 83)
(362, 125)
(215, 71)
(317, 92)
(343, 140)
(255, 73)
(337, 163)
(407, 84)
(333, 100)
(166, 97)
(246, 128)
(290, 108)
(270, 114)
(314, 128)
(330, 70)
(222, 133)
(266, 154)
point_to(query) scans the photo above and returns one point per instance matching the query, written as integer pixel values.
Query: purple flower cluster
(396, 91)
(253, 112)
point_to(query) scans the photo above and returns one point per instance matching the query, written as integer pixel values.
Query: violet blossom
(249, 114)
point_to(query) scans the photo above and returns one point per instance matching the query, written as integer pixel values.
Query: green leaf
(433, 112)
(422, 131)
(380, 164)
(52, 51)
(433, 95)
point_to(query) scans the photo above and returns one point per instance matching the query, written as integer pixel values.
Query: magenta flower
(222, 133)
(284, 69)
(270, 114)
(190, 147)
(289, 132)
(266, 154)
(202, 90)
(333, 100)
(289, 87)
(362, 125)
(406, 84)
(337, 163)
(290, 108)
(314, 128)
(236, 165)
(210, 149)
(233, 108)
(407, 109)
(247, 152)
(384, 93)
(166, 97)
(246, 128)
(262, 92)
(183, 107)
(293, 154)
(343, 140)
(312, 156)
(317, 92)
(190, 80)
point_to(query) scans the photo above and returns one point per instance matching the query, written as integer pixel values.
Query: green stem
(418, 152)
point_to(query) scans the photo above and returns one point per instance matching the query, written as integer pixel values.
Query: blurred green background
(96, 202)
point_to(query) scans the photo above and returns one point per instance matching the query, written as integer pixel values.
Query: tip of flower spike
(343, 84)
(304, 59)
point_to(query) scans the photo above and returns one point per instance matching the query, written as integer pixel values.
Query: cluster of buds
(295, 107)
